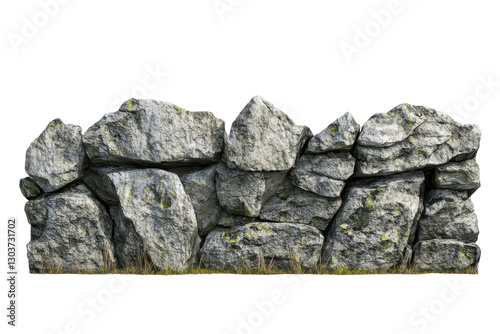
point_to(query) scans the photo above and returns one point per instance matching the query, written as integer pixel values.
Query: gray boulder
(243, 193)
(56, 158)
(70, 230)
(155, 133)
(412, 137)
(154, 219)
(377, 221)
(263, 138)
(29, 188)
(462, 175)
(200, 186)
(448, 214)
(338, 136)
(439, 255)
(294, 205)
(275, 245)
(323, 174)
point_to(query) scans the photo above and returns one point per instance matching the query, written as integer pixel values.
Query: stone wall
(155, 182)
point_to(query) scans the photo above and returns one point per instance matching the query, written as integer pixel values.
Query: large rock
(283, 246)
(376, 223)
(323, 174)
(412, 137)
(29, 188)
(154, 218)
(243, 193)
(200, 186)
(155, 133)
(440, 255)
(294, 205)
(448, 214)
(338, 136)
(263, 138)
(71, 231)
(458, 176)
(56, 158)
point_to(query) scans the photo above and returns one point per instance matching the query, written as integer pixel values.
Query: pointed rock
(340, 135)
(263, 138)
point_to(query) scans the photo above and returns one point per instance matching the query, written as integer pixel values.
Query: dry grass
(145, 267)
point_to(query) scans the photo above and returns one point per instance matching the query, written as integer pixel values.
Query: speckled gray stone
(272, 245)
(376, 223)
(57, 157)
(154, 133)
(263, 138)
(439, 255)
(412, 137)
(70, 230)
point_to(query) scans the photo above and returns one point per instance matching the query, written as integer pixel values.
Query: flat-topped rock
(268, 245)
(412, 137)
(462, 175)
(155, 133)
(443, 255)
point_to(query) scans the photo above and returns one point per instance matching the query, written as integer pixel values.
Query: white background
(86, 57)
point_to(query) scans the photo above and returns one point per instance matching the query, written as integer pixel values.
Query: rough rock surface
(270, 244)
(200, 186)
(29, 188)
(70, 230)
(243, 193)
(375, 224)
(340, 135)
(263, 138)
(458, 175)
(448, 214)
(155, 185)
(323, 174)
(155, 133)
(56, 158)
(412, 137)
(294, 205)
(445, 255)
(155, 220)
